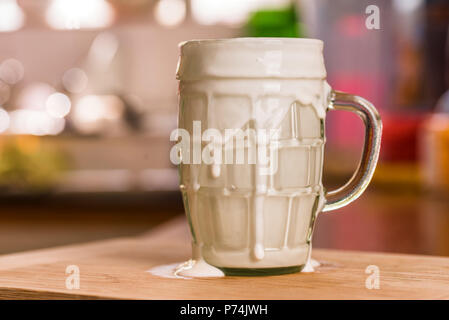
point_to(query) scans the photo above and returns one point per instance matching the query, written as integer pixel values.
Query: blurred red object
(352, 25)
(400, 136)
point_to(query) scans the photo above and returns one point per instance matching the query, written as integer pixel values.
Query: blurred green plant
(27, 165)
(279, 22)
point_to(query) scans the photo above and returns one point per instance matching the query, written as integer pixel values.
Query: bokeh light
(75, 80)
(11, 71)
(11, 16)
(58, 105)
(92, 112)
(35, 122)
(407, 6)
(170, 13)
(4, 120)
(79, 14)
(34, 96)
(214, 11)
(103, 50)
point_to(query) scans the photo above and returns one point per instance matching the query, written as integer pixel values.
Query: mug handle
(344, 195)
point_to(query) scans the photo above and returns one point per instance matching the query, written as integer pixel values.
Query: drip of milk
(311, 264)
(215, 170)
(197, 267)
(166, 271)
(186, 270)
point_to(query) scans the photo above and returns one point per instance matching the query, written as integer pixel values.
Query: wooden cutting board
(117, 268)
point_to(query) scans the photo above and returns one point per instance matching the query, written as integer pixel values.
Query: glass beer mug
(250, 150)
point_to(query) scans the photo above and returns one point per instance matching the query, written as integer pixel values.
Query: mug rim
(282, 58)
(252, 40)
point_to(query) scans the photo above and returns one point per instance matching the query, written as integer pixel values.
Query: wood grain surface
(117, 269)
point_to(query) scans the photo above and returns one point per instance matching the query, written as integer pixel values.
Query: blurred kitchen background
(88, 98)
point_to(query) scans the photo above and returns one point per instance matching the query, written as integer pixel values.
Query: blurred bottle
(413, 137)
(434, 140)
(407, 110)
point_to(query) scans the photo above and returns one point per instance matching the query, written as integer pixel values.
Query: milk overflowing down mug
(263, 99)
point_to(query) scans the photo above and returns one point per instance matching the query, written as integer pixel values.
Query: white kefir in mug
(265, 99)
